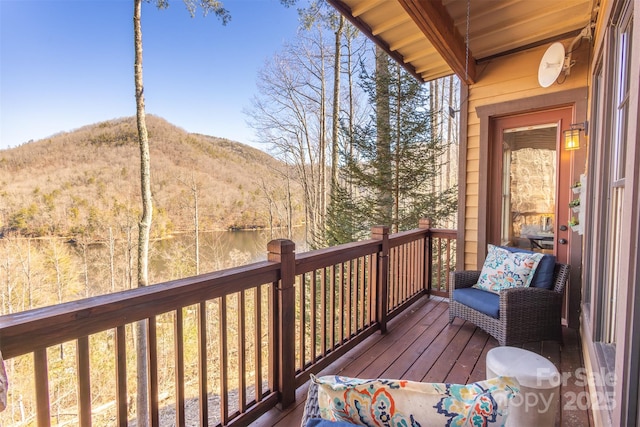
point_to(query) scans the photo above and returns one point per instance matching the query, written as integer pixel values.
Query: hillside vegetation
(81, 182)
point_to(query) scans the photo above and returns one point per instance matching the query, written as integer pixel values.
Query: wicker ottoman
(537, 403)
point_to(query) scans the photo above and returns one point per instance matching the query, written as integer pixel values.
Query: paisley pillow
(381, 402)
(503, 269)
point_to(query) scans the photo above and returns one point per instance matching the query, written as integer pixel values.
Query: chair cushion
(543, 276)
(482, 301)
(380, 402)
(503, 269)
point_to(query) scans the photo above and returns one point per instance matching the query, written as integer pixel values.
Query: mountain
(84, 181)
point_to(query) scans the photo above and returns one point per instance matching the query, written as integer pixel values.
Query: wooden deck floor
(421, 345)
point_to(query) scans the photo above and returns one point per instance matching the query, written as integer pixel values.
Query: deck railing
(222, 348)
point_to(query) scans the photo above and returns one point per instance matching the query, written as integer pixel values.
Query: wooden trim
(486, 114)
(84, 381)
(223, 357)
(40, 367)
(382, 233)
(283, 252)
(178, 343)
(202, 364)
(462, 176)
(627, 388)
(152, 371)
(121, 376)
(435, 23)
(125, 307)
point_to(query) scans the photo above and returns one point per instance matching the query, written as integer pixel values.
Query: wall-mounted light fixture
(572, 135)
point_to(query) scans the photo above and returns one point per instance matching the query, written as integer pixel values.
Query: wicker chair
(526, 314)
(311, 408)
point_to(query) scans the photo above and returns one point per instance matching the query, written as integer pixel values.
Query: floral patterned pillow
(380, 402)
(503, 269)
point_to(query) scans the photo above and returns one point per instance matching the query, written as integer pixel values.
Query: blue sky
(69, 63)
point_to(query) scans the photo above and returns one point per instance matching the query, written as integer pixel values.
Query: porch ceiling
(429, 36)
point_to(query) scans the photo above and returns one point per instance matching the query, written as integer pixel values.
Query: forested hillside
(82, 182)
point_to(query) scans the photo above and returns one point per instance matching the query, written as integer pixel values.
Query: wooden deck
(421, 345)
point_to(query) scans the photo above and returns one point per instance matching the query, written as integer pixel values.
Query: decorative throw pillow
(380, 402)
(503, 269)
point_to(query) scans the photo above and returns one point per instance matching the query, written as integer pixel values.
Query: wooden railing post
(381, 232)
(283, 251)
(425, 224)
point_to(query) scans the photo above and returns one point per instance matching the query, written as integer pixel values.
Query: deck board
(421, 345)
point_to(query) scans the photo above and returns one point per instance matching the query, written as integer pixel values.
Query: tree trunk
(383, 142)
(336, 105)
(318, 231)
(397, 151)
(196, 222)
(351, 102)
(144, 225)
(112, 260)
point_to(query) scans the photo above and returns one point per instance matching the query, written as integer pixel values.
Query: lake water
(170, 258)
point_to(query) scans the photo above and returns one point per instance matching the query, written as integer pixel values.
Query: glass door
(529, 187)
(529, 182)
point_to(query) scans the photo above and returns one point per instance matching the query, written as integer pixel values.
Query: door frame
(577, 100)
(561, 117)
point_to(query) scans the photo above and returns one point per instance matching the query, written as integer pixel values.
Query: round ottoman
(537, 403)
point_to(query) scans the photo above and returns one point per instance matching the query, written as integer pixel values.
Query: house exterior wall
(500, 81)
(509, 85)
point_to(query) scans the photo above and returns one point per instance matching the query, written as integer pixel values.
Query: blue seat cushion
(543, 276)
(482, 301)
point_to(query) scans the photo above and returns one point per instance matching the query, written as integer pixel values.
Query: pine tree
(396, 160)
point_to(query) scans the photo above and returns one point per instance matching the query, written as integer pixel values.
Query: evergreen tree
(396, 161)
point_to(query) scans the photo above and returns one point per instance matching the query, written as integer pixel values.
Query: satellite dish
(551, 64)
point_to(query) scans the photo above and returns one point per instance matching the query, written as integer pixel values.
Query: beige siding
(506, 79)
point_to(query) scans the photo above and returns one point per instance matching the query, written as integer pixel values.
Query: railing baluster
(223, 357)
(360, 286)
(323, 310)
(313, 290)
(258, 344)
(178, 342)
(202, 364)
(121, 376)
(42, 387)
(340, 285)
(446, 283)
(348, 304)
(332, 308)
(372, 284)
(152, 354)
(303, 318)
(274, 341)
(84, 382)
(242, 368)
(404, 261)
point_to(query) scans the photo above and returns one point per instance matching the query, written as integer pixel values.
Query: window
(620, 72)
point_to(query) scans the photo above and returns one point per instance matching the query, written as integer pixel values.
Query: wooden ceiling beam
(390, 23)
(346, 11)
(436, 24)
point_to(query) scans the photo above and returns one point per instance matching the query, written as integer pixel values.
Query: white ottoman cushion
(537, 403)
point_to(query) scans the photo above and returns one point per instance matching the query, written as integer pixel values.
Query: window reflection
(528, 187)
